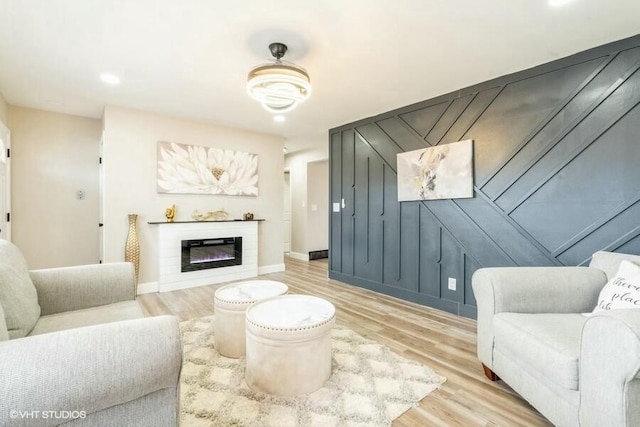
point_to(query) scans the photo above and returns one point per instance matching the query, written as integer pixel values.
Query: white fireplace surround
(170, 237)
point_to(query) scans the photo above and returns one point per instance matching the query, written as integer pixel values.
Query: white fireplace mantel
(170, 236)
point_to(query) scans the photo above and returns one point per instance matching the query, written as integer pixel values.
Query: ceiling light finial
(278, 50)
(278, 86)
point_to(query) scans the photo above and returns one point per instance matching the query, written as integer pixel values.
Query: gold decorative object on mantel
(247, 216)
(220, 215)
(170, 213)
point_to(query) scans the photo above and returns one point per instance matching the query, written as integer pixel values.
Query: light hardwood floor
(442, 341)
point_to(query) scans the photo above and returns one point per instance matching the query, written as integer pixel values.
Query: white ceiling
(190, 58)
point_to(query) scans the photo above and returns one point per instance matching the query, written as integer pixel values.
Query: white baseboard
(274, 268)
(147, 288)
(151, 287)
(298, 255)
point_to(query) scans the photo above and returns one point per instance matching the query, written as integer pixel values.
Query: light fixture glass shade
(279, 86)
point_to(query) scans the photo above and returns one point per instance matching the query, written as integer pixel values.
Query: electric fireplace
(203, 254)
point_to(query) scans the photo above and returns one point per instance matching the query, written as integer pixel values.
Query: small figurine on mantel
(247, 216)
(170, 213)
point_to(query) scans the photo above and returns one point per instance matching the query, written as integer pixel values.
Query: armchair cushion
(18, 296)
(547, 344)
(127, 310)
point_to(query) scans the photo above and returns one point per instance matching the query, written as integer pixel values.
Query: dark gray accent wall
(556, 178)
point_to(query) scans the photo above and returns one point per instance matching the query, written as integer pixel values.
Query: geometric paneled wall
(556, 178)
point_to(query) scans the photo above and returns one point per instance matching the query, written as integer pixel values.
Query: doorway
(287, 212)
(5, 182)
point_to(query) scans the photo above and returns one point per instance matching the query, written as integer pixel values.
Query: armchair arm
(610, 369)
(88, 369)
(538, 289)
(74, 288)
(531, 290)
(4, 333)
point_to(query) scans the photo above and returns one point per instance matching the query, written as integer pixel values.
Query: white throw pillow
(623, 290)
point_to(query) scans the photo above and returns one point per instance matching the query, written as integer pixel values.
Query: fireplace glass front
(202, 254)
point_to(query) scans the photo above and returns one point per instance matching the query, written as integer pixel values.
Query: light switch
(314, 208)
(336, 207)
(451, 284)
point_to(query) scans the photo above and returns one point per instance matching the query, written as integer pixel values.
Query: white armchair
(75, 343)
(576, 370)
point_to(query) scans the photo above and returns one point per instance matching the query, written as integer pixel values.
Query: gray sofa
(75, 348)
(576, 370)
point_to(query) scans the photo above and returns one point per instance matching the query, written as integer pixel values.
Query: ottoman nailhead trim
(226, 301)
(303, 328)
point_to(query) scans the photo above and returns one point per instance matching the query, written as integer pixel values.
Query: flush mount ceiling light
(110, 79)
(278, 86)
(558, 3)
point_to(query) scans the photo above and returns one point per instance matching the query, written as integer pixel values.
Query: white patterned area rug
(369, 386)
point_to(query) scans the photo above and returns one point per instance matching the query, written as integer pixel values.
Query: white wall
(298, 188)
(3, 110)
(52, 157)
(287, 212)
(129, 156)
(297, 165)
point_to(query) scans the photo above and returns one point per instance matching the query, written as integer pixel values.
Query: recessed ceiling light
(110, 79)
(559, 2)
(279, 119)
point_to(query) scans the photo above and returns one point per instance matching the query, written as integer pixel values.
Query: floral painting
(442, 172)
(194, 169)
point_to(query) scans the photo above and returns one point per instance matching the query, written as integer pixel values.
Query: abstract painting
(441, 172)
(194, 169)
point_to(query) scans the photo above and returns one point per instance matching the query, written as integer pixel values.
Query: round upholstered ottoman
(230, 304)
(289, 344)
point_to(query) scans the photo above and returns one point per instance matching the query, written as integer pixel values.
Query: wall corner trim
(273, 268)
(147, 288)
(298, 255)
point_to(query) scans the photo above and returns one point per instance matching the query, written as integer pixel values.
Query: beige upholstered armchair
(576, 369)
(75, 348)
